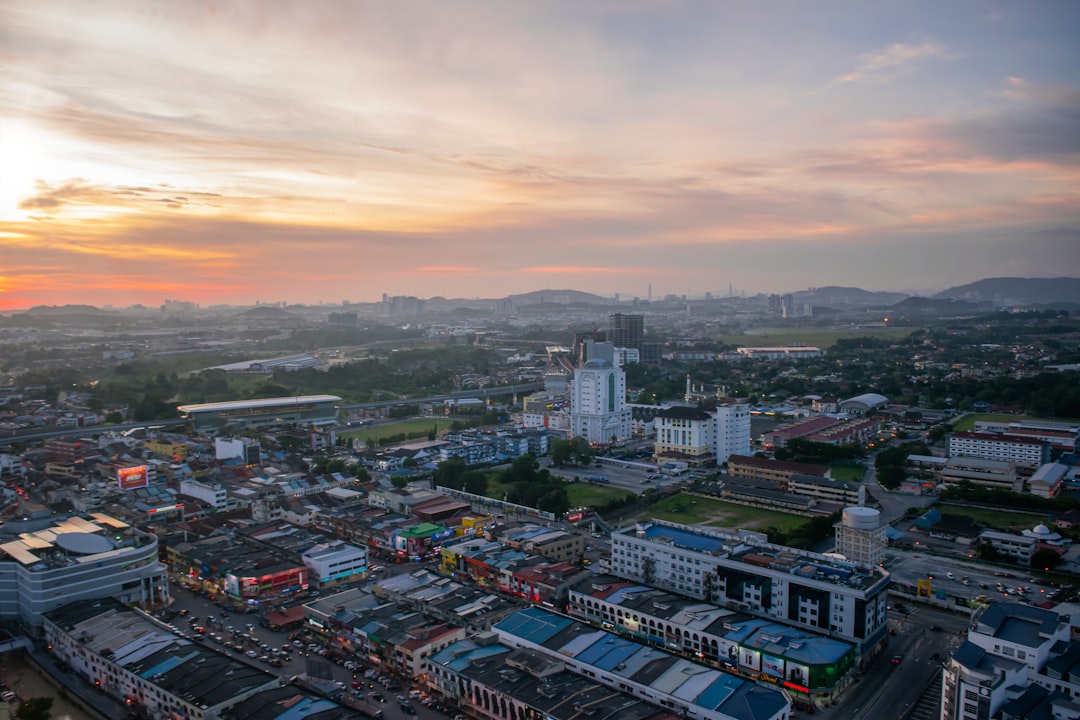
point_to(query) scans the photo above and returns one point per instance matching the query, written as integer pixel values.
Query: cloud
(887, 64)
(1038, 122)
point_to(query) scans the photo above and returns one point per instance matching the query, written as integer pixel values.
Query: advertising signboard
(772, 666)
(133, 477)
(750, 658)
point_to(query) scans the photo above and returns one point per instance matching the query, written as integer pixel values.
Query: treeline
(808, 535)
(524, 483)
(966, 491)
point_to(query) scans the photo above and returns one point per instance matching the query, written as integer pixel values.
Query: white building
(598, 410)
(335, 562)
(79, 559)
(215, 495)
(1009, 649)
(686, 434)
(991, 446)
(748, 573)
(732, 431)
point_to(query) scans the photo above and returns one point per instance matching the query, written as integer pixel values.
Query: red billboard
(133, 477)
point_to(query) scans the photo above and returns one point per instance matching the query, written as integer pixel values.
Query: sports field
(692, 510)
(814, 337)
(407, 427)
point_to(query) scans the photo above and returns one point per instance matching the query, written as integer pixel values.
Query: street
(301, 659)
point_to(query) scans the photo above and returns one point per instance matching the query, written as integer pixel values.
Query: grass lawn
(815, 337)
(691, 510)
(994, 518)
(585, 495)
(850, 473)
(371, 434)
(967, 422)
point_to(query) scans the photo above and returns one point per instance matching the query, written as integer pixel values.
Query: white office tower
(732, 431)
(598, 410)
(860, 536)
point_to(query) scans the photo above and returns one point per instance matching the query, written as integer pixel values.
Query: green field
(585, 495)
(850, 473)
(997, 519)
(373, 434)
(967, 422)
(691, 510)
(814, 337)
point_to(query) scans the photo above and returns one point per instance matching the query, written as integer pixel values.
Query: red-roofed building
(776, 471)
(547, 584)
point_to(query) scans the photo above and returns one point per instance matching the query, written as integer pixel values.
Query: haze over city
(228, 152)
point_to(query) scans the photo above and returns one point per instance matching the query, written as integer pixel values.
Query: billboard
(772, 666)
(750, 658)
(798, 675)
(133, 477)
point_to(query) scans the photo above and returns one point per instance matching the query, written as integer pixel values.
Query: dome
(1041, 529)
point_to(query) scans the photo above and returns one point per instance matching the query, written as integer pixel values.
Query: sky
(233, 151)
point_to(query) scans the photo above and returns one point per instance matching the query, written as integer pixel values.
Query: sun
(21, 159)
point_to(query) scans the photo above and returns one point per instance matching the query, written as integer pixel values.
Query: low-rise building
(136, 660)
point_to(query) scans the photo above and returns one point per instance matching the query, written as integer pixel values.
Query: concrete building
(809, 666)
(994, 474)
(1028, 452)
(732, 431)
(335, 561)
(748, 573)
(685, 688)
(627, 331)
(685, 434)
(598, 410)
(1010, 649)
(132, 658)
(79, 559)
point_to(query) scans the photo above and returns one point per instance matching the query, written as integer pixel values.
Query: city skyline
(232, 152)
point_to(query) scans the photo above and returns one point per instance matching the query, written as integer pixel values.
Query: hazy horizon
(236, 152)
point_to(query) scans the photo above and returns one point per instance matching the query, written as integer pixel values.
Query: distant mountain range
(1017, 291)
(1060, 292)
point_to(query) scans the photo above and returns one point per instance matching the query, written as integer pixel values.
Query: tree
(1045, 558)
(114, 418)
(891, 476)
(451, 473)
(35, 708)
(561, 452)
(361, 473)
(399, 482)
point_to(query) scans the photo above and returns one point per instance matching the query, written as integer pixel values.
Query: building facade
(598, 410)
(747, 573)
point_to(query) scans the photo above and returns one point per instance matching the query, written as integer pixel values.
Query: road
(887, 691)
(893, 504)
(302, 661)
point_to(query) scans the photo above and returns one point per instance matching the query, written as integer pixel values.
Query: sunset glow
(235, 151)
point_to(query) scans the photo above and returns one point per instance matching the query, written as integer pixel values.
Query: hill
(1017, 291)
(558, 297)
(835, 296)
(936, 306)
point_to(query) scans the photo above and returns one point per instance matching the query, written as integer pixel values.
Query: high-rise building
(627, 330)
(598, 410)
(732, 431)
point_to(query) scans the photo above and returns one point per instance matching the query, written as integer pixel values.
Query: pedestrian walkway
(27, 682)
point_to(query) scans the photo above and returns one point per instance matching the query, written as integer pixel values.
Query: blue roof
(608, 653)
(306, 707)
(718, 691)
(535, 625)
(682, 538)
